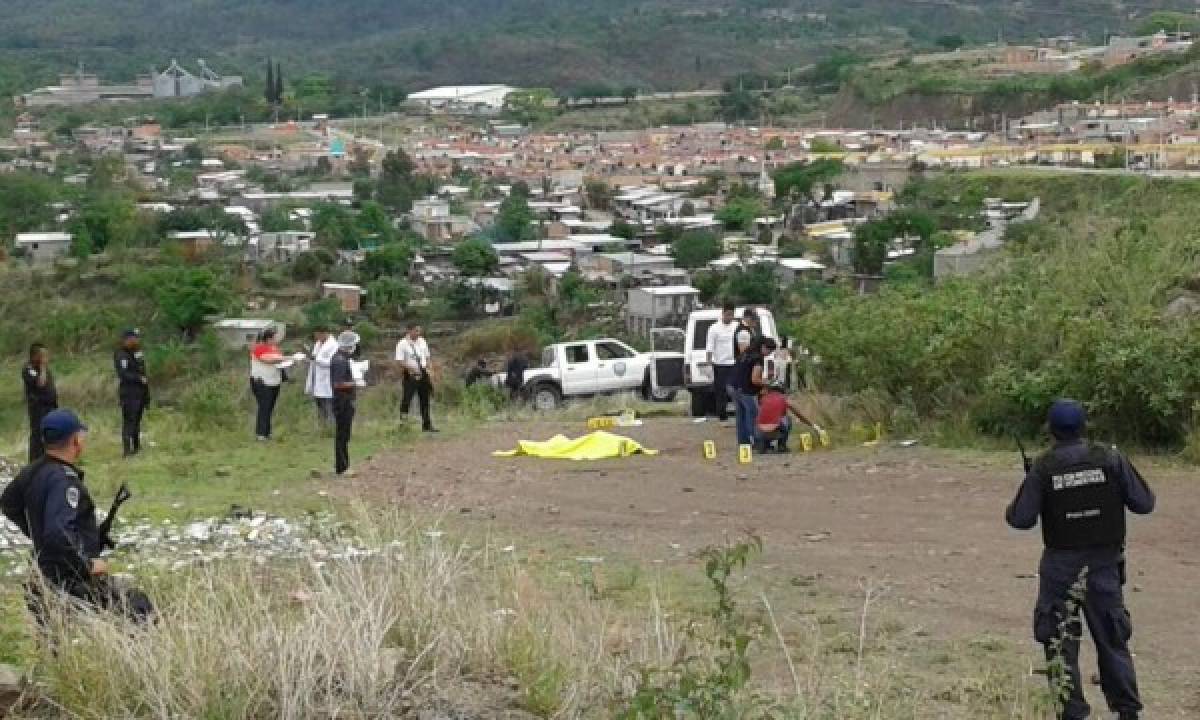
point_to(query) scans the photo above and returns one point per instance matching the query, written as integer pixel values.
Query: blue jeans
(747, 415)
(779, 435)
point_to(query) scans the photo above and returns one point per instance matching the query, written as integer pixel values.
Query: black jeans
(106, 593)
(423, 389)
(324, 411)
(721, 375)
(133, 406)
(266, 397)
(1107, 619)
(343, 418)
(37, 447)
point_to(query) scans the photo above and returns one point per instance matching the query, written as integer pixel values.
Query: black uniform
(40, 400)
(1080, 492)
(50, 503)
(343, 410)
(133, 395)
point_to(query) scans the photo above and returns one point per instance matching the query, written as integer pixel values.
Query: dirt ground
(928, 523)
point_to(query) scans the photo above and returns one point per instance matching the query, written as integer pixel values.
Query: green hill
(560, 43)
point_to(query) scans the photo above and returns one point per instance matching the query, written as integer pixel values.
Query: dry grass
(418, 619)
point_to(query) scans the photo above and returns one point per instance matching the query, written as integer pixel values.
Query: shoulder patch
(124, 363)
(32, 372)
(73, 497)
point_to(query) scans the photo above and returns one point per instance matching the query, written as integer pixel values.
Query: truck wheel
(546, 397)
(699, 404)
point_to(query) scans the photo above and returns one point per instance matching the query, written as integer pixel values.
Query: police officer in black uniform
(133, 393)
(40, 395)
(1080, 491)
(50, 503)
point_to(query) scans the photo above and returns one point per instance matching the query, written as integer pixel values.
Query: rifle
(1024, 458)
(123, 496)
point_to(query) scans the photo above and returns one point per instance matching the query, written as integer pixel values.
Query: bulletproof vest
(1081, 500)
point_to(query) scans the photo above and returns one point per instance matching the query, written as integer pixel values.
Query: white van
(669, 371)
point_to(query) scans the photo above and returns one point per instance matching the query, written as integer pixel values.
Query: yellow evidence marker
(823, 436)
(601, 423)
(710, 450)
(806, 442)
(745, 454)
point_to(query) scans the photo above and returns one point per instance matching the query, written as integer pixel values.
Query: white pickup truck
(590, 367)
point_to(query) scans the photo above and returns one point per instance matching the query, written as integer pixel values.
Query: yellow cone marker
(745, 454)
(824, 438)
(806, 442)
(710, 450)
(601, 423)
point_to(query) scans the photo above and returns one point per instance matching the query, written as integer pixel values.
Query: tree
(871, 243)
(687, 209)
(278, 84)
(599, 194)
(530, 107)
(392, 260)
(514, 220)
(629, 93)
(389, 294)
(696, 249)
(307, 267)
(739, 213)
(334, 227)
(278, 218)
(25, 202)
(740, 105)
(756, 284)
(950, 43)
(800, 179)
(107, 220)
(475, 258)
(376, 223)
(398, 186)
(185, 296)
(623, 230)
(269, 91)
(1168, 21)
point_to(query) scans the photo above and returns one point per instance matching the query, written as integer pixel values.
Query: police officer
(1080, 491)
(345, 389)
(133, 392)
(40, 395)
(50, 503)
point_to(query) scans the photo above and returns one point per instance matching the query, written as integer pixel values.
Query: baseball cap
(131, 333)
(58, 425)
(1067, 419)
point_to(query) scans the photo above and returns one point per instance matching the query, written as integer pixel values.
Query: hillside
(561, 43)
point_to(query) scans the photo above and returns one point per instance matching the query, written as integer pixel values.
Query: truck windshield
(700, 334)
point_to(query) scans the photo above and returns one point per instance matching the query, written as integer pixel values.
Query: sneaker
(262, 438)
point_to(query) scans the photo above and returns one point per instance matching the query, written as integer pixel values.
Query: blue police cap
(1067, 419)
(130, 333)
(58, 425)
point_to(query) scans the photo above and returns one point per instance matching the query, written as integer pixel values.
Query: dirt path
(927, 522)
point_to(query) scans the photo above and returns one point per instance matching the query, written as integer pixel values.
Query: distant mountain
(557, 43)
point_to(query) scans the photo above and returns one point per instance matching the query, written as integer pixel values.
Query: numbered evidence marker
(806, 442)
(600, 423)
(710, 450)
(745, 454)
(823, 436)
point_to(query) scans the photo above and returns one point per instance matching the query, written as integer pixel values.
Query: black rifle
(1024, 458)
(105, 528)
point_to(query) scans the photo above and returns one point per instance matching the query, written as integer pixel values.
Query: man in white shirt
(720, 355)
(412, 353)
(318, 385)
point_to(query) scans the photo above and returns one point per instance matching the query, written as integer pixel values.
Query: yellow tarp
(593, 446)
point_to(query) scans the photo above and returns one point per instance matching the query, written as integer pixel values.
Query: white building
(651, 307)
(467, 97)
(44, 246)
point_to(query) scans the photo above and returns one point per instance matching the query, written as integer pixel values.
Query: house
(44, 246)
(431, 219)
(651, 307)
(283, 246)
(350, 296)
(244, 332)
(463, 97)
(616, 265)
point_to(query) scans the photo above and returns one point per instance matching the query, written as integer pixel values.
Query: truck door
(615, 369)
(579, 369)
(667, 357)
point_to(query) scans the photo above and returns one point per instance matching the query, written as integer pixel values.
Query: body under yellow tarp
(593, 446)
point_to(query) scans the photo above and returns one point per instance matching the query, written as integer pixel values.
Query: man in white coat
(318, 385)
